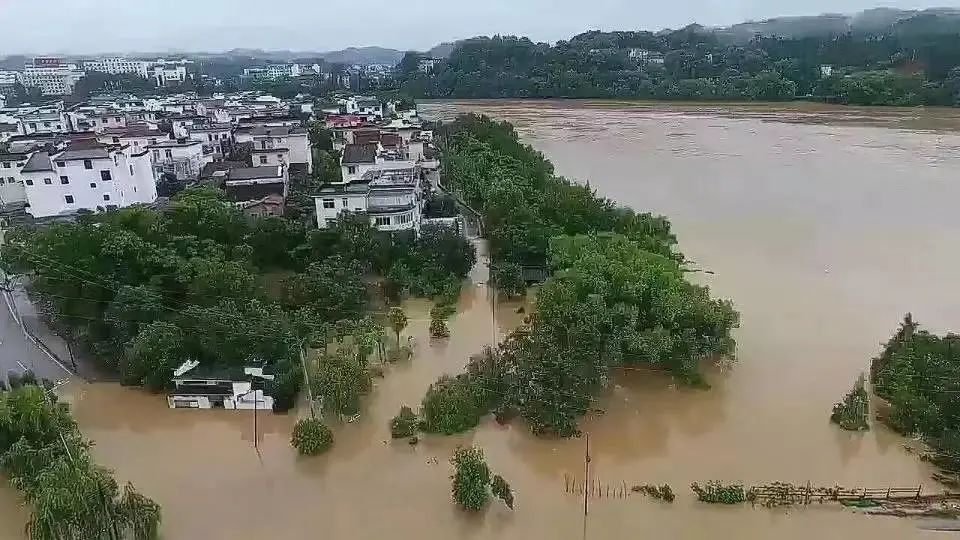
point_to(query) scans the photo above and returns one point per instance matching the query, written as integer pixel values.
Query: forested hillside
(872, 59)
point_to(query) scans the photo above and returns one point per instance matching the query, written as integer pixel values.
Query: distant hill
(871, 21)
(363, 55)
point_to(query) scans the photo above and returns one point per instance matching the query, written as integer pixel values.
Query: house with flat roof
(391, 194)
(232, 388)
(257, 191)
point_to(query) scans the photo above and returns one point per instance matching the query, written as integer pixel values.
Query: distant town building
(826, 70)
(167, 75)
(118, 66)
(53, 76)
(274, 71)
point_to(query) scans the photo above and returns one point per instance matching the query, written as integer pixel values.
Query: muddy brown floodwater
(824, 225)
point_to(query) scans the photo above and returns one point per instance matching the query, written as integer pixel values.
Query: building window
(381, 221)
(6, 164)
(344, 201)
(263, 145)
(87, 164)
(280, 157)
(105, 176)
(64, 180)
(10, 180)
(168, 153)
(106, 196)
(156, 155)
(93, 185)
(351, 169)
(116, 119)
(47, 181)
(263, 160)
(131, 169)
(1, 181)
(328, 203)
(68, 199)
(29, 182)
(61, 164)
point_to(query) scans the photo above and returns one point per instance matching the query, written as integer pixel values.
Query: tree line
(891, 67)
(617, 296)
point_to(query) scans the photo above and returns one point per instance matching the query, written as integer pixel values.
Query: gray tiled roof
(39, 161)
(360, 153)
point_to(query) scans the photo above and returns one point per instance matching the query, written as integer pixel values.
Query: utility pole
(586, 481)
(306, 379)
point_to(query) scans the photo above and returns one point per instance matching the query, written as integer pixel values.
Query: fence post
(807, 498)
(918, 490)
(888, 493)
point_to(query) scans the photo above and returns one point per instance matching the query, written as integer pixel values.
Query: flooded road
(824, 225)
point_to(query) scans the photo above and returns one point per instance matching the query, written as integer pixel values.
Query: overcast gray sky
(89, 26)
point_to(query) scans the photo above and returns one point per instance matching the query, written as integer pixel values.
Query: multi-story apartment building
(274, 71)
(87, 175)
(52, 76)
(167, 75)
(118, 66)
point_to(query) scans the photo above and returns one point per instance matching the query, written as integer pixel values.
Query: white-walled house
(198, 387)
(183, 158)
(357, 160)
(291, 143)
(391, 195)
(11, 183)
(87, 175)
(213, 137)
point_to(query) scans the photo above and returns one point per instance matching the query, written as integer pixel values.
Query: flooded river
(824, 225)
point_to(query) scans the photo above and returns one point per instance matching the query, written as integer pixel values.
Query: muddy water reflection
(824, 225)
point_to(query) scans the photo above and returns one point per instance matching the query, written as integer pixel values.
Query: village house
(200, 387)
(277, 145)
(215, 139)
(182, 158)
(390, 194)
(87, 175)
(11, 184)
(258, 191)
(137, 137)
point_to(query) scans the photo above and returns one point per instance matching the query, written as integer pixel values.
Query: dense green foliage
(71, 498)
(451, 405)
(852, 412)
(340, 381)
(617, 296)
(311, 437)
(523, 203)
(471, 478)
(918, 373)
(142, 290)
(404, 424)
(918, 66)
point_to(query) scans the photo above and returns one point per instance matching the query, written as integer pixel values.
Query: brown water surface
(824, 225)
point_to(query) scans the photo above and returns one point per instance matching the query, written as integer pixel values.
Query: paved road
(18, 352)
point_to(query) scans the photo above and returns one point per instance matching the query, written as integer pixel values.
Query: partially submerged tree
(501, 490)
(404, 424)
(311, 437)
(471, 478)
(398, 321)
(851, 413)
